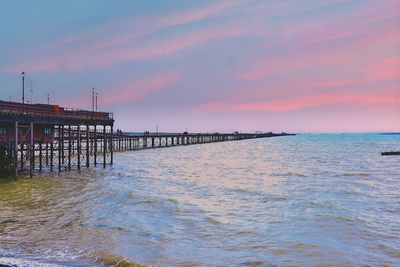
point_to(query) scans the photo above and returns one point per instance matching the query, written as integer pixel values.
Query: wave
(285, 174)
(256, 263)
(109, 259)
(101, 259)
(15, 262)
(353, 174)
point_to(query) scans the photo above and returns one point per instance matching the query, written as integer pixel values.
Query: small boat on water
(390, 153)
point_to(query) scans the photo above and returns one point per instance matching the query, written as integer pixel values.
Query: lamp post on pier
(23, 91)
(93, 99)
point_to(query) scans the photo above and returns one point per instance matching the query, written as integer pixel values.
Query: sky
(206, 66)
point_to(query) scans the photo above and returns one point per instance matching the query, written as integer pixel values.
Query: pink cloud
(345, 41)
(302, 102)
(175, 44)
(131, 91)
(384, 70)
(350, 60)
(128, 40)
(385, 37)
(201, 13)
(79, 59)
(120, 32)
(136, 90)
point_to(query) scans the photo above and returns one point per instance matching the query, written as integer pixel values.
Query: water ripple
(328, 200)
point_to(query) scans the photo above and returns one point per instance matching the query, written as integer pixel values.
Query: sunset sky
(246, 65)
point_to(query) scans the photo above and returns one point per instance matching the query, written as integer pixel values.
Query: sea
(304, 200)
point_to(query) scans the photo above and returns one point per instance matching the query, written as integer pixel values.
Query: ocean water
(288, 201)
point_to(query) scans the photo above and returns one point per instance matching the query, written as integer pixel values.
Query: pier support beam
(59, 147)
(62, 145)
(112, 145)
(69, 147)
(51, 155)
(95, 146)
(78, 147)
(31, 152)
(104, 146)
(87, 147)
(40, 156)
(16, 150)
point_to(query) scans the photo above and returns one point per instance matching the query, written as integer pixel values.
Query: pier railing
(40, 111)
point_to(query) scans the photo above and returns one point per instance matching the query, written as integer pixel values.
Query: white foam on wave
(14, 262)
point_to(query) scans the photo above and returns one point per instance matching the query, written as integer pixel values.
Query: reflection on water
(304, 200)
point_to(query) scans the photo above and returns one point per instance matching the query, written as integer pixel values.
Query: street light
(31, 91)
(23, 92)
(96, 101)
(93, 99)
(23, 87)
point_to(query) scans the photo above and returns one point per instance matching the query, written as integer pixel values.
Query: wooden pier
(49, 138)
